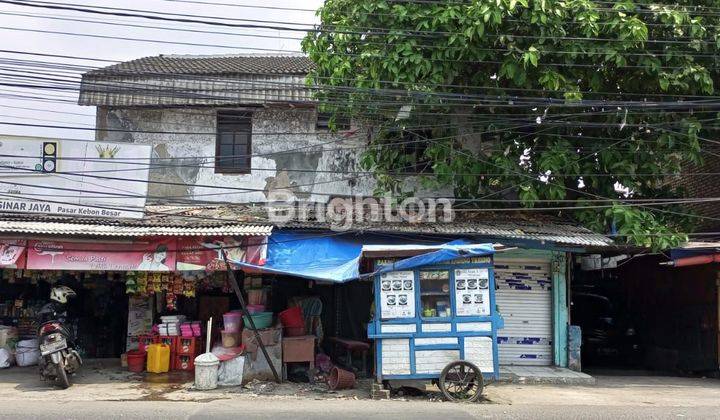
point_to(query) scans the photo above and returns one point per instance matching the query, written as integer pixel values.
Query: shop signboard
(73, 178)
(142, 255)
(196, 253)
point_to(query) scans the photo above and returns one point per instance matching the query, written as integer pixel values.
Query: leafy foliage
(558, 102)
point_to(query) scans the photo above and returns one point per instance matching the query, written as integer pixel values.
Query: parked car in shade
(608, 337)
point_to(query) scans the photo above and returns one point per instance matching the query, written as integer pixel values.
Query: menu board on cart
(472, 292)
(397, 294)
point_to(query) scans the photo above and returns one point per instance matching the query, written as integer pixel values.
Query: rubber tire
(447, 395)
(62, 375)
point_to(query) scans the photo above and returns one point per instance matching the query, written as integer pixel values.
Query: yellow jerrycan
(158, 360)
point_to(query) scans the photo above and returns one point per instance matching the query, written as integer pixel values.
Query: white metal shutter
(524, 300)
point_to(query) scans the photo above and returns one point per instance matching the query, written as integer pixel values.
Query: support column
(560, 309)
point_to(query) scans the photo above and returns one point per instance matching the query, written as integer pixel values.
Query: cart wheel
(461, 381)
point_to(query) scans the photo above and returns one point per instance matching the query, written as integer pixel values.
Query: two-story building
(231, 129)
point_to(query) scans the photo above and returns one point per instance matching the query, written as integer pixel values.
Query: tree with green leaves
(584, 108)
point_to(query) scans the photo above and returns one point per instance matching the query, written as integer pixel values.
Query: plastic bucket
(136, 360)
(292, 317)
(253, 309)
(341, 379)
(206, 371)
(261, 320)
(230, 339)
(231, 321)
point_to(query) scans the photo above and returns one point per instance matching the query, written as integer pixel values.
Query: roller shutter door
(524, 300)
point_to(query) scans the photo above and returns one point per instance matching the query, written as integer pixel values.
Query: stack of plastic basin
(232, 322)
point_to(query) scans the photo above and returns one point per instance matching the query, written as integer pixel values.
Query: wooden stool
(351, 346)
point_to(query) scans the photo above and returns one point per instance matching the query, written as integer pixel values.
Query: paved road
(332, 409)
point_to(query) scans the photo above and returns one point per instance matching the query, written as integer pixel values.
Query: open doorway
(640, 314)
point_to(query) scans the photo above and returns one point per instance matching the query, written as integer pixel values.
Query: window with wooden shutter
(233, 146)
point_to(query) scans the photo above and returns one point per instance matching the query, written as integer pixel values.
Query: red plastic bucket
(136, 360)
(292, 317)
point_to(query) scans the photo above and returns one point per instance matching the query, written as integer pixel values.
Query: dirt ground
(106, 381)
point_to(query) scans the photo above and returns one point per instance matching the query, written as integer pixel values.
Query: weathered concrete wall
(183, 139)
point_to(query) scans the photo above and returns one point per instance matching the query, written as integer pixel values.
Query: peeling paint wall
(319, 165)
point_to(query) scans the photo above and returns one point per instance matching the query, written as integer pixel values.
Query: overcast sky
(13, 110)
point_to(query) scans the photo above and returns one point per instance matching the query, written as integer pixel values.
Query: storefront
(123, 285)
(535, 316)
(650, 311)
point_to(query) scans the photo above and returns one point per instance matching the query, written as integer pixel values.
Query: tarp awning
(337, 258)
(683, 257)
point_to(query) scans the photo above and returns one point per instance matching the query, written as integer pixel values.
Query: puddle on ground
(172, 377)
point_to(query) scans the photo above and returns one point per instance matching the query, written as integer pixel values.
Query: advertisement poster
(472, 293)
(397, 294)
(12, 253)
(140, 317)
(35, 166)
(140, 255)
(206, 253)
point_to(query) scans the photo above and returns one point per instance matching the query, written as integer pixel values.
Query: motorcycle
(58, 357)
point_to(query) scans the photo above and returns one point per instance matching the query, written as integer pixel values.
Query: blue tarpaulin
(445, 252)
(337, 258)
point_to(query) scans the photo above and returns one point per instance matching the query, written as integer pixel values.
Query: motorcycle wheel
(62, 375)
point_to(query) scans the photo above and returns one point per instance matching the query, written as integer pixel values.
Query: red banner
(205, 253)
(154, 254)
(149, 255)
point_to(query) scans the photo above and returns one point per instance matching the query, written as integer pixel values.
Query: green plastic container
(261, 319)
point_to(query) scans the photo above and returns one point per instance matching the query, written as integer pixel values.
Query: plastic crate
(188, 346)
(144, 340)
(183, 362)
(169, 340)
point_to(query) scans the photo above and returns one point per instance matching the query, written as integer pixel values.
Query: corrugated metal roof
(84, 229)
(158, 221)
(557, 233)
(253, 220)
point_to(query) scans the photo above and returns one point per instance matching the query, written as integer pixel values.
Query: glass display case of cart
(435, 293)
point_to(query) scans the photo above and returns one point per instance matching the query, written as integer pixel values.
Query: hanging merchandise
(177, 285)
(171, 301)
(154, 283)
(131, 284)
(165, 282)
(142, 283)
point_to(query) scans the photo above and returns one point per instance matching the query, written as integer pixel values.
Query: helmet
(61, 294)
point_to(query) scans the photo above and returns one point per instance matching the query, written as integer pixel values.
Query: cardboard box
(269, 336)
(298, 349)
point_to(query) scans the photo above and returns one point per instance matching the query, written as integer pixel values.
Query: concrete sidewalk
(543, 376)
(106, 381)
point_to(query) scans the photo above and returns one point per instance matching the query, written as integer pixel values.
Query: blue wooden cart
(437, 323)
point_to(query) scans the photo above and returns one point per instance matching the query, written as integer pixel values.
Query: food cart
(437, 322)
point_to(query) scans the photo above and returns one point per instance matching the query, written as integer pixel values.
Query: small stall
(435, 319)
(433, 308)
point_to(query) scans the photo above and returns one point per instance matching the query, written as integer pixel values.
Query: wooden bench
(351, 346)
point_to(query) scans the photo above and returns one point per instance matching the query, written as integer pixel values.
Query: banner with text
(147, 255)
(72, 177)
